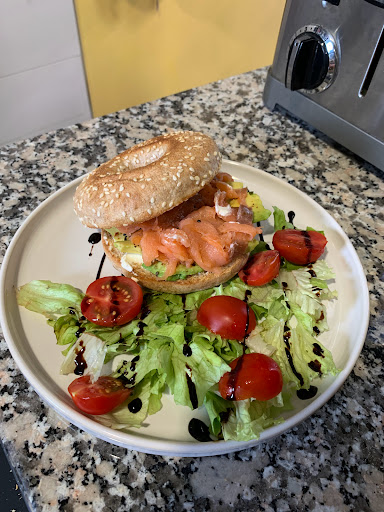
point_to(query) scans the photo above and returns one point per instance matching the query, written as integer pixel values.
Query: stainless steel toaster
(328, 70)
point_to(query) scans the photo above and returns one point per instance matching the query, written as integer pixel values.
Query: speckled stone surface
(332, 461)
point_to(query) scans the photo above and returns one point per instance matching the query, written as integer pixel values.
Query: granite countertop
(333, 461)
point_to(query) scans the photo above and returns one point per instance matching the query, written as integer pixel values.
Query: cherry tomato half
(227, 316)
(252, 376)
(111, 301)
(99, 397)
(261, 268)
(299, 247)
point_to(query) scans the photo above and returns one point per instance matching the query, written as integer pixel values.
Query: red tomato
(252, 376)
(111, 301)
(299, 247)
(261, 268)
(98, 397)
(229, 317)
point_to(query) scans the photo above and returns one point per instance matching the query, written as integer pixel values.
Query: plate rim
(151, 445)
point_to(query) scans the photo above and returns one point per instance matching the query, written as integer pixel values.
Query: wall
(42, 82)
(135, 52)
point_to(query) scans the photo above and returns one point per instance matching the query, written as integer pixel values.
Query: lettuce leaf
(190, 369)
(49, 299)
(280, 222)
(242, 420)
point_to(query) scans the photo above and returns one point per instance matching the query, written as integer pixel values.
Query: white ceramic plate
(52, 244)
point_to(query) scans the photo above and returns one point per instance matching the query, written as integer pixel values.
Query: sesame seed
(149, 211)
(152, 200)
(163, 204)
(171, 204)
(142, 186)
(131, 219)
(128, 194)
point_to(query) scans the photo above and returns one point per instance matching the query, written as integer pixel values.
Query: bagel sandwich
(168, 217)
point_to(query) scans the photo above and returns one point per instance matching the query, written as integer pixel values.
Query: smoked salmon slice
(205, 229)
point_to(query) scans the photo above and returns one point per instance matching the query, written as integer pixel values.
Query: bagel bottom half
(192, 283)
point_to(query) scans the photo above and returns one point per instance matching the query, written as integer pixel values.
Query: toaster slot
(372, 65)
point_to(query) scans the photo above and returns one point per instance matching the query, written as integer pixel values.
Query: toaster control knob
(311, 60)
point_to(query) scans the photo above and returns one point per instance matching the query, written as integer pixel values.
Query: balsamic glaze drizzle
(187, 351)
(233, 379)
(306, 394)
(199, 430)
(135, 405)
(261, 237)
(133, 363)
(287, 335)
(291, 216)
(318, 350)
(192, 390)
(94, 238)
(315, 366)
(80, 362)
(100, 267)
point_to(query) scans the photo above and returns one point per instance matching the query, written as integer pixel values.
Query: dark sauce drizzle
(187, 351)
(80, 362)
(315, 366)
(291, 216)
(199, 430)
(261, 237)
(287, 335)
(306, 394)
(135, 405)
(316, 330)
(133, 363)
(191, 389)
(94, 239)
(79, 332)
(100, 267)
(318, 350)
(309, 246)
(233, 375)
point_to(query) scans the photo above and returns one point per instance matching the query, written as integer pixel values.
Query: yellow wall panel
(135, 52)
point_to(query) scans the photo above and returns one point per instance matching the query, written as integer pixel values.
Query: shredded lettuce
(92, 350)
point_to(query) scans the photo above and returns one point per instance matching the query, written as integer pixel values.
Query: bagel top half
(147, 180)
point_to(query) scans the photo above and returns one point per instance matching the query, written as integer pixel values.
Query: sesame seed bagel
(147, 180)
(190, 284)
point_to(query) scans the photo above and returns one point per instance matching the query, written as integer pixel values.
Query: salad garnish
(241, 350)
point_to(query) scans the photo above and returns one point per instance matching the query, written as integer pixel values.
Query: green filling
(254, 202)
(182, 272)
